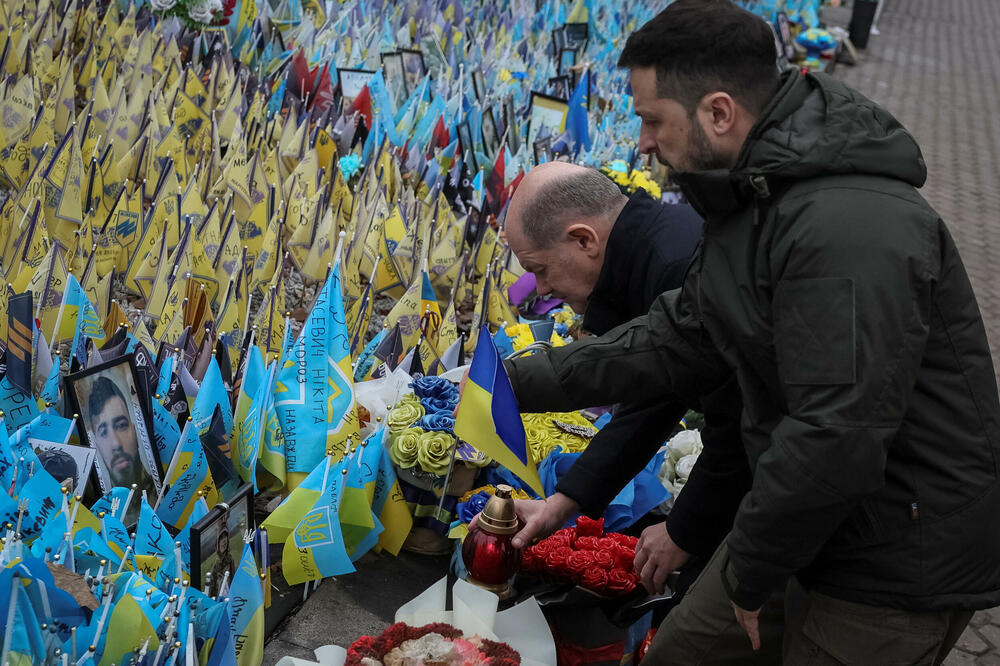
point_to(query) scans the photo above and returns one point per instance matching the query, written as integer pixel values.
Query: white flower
(163, 5)
(681, 454)
(201, 11)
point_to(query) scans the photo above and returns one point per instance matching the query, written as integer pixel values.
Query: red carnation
(586, 543)
(555, 561)
(595, 579)
(621, 582)
(578, 562)
(604, 560)
(589, 527)
(624, 558)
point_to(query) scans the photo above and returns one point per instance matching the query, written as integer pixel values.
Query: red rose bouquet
(585, 556)
(438, 643)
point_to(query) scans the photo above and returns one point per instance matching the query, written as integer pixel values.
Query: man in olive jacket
(836, 296)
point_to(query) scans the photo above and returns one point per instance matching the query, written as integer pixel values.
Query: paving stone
(959, 658)
(991, 633)
(971, 642)
(990, 659)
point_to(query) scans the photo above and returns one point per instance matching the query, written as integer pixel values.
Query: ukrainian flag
(488, 417)
(246, 598)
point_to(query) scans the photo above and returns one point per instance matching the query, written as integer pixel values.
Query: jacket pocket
(814, 331)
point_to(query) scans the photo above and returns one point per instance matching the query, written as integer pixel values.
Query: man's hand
(748, 620)
(540, 518)
(657, 556)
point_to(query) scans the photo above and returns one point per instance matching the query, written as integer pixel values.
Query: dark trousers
(799, 627)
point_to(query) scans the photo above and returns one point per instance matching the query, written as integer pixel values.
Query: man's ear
(585, 237)
(718, 113)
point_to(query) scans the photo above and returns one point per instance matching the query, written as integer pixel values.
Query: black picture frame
(237, 517)
(101, 434)
(395, 76)
(510, 124)
(352, 81)
(414, 68)
(479, 84)
(558, 41)
(491, 138)
(465, 139)
(577, 35)
(542, 148)
(553, 104)
(559, 86)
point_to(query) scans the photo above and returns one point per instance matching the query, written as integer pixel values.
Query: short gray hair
(584, 194)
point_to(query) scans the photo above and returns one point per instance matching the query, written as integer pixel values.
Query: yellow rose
(405, 446)
(406, 412)
(434, 452)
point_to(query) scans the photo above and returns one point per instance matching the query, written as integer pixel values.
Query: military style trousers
(799, 628)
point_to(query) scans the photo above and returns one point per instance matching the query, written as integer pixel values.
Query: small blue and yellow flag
(488, 417)
(247, 606)
(315, 548)
(188, 474)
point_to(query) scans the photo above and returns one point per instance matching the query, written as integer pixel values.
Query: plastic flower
(442, 405)
(406, 412)
(438, 422)
(405, 448)
(163, 5)
(434, 387)
(349, 165)
(201, 12)
(468, 509)
(434, 452)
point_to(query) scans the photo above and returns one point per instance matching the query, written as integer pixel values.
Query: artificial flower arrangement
(196, 14)
(439, 644)
(562, 432)
(521, 336)
(421, 430)
(631, 181)
(586, 556)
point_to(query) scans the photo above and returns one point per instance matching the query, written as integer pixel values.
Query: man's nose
(647, 145)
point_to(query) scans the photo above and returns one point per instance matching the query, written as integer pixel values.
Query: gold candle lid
(498, 516)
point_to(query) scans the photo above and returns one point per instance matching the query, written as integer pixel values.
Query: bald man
(609, 256)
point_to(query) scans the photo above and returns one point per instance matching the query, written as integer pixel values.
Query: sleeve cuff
(741, 594)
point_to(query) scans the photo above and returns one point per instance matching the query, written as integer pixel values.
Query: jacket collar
(630, 236)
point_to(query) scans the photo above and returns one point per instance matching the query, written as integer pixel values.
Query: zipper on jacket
(759, 184)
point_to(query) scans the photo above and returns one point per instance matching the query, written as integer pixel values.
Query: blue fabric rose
(434, 387)
(435, 405)
(468, 510)
(438, 421)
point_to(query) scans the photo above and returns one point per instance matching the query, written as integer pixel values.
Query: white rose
(163, 5)
(201, 11)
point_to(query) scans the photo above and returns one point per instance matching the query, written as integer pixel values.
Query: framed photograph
(116, 424)
(414, 68)
(465, 139)
(559, 85)
(558, 41)
(479, 84)
(352, 81)
(491, 138)
(542, 148)
(576, 35)
(510, 124)
(395, 79)
(548, 112)
(68, 464)
(217, 540)
(567, 59)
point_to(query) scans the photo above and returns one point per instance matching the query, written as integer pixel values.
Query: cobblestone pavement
(936, 66)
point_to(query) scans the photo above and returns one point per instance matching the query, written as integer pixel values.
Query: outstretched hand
(540, 518)
(657, 556)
